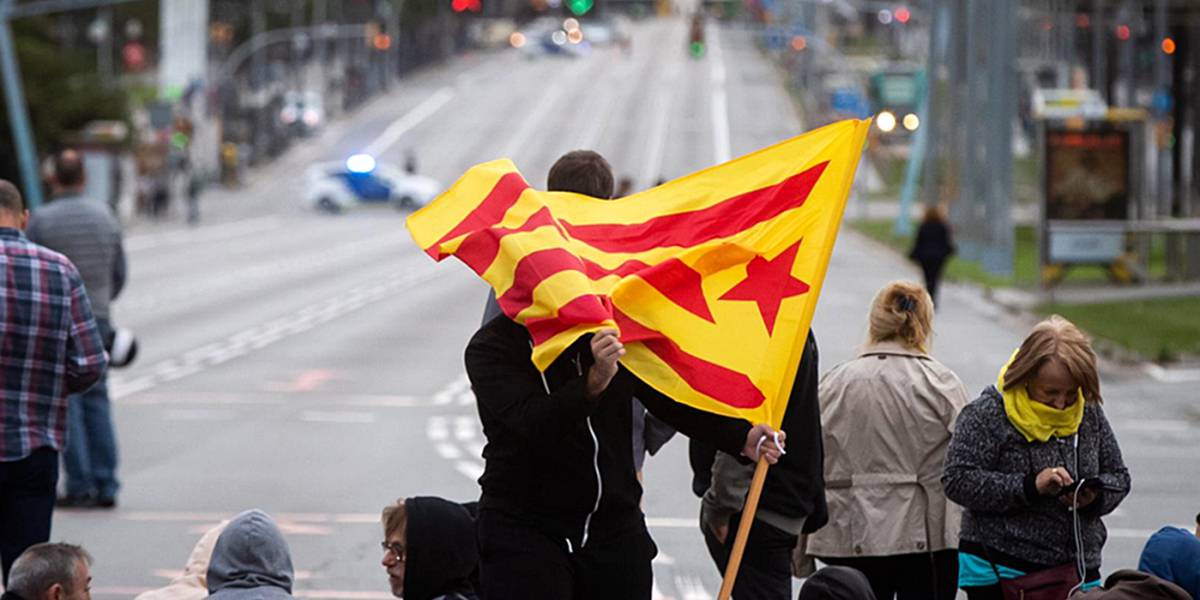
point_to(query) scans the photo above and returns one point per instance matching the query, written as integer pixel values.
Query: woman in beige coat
(887, 417)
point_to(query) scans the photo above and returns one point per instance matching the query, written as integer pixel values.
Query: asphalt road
(311, 365)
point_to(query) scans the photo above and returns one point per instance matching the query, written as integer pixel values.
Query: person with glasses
(429, 549)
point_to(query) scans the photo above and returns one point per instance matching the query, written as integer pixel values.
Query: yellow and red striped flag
(711, 279)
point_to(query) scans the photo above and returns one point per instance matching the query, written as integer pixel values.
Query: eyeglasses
(396, 548)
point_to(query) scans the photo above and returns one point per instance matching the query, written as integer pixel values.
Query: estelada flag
(711, 279)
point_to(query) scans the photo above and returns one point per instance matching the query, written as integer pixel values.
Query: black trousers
(991, 592)
(27, 489)
(921, 576)
(933, 277)
(519, 562)
(765, 572)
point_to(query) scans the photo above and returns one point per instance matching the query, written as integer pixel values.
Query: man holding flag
(559, 513)
(711, 281)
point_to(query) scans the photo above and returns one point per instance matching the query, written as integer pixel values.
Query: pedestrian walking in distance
(1035, 464)
(85, 231)
(50, 346)
(887, 416)
(932, 248)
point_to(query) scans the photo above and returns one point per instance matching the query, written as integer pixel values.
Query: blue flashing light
(360, 163)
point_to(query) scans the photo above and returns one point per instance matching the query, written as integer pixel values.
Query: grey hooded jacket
(250, 561)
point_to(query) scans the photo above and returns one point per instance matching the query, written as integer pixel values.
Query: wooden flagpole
(743, 532)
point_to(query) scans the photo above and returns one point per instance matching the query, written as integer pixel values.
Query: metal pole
(998, 258)
(257, 26)
(104, 49)
(14, 94)
(1099, 56)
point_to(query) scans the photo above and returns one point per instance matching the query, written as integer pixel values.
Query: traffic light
(466, 5)
(580, 7)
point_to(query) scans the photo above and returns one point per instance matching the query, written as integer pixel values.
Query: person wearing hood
(1173, 553)
(192, 584)
(250, 560)
(429, 549)
(837, 583)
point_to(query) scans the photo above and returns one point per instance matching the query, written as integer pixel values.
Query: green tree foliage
(62, 91)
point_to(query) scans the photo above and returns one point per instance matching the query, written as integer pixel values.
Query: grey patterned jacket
(990, 470)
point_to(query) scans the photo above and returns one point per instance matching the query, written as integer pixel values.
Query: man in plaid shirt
(49, 347)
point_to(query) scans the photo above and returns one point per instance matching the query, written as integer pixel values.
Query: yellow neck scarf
(1037, 421)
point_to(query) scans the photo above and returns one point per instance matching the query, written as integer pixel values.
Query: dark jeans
(765, 572)
(26, 503)
(91, 455)
(991, 592)
(519, 562)
(920, 576)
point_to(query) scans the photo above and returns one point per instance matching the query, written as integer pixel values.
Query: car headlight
(885, 121)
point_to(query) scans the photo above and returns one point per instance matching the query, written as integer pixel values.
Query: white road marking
(464, 429)
(720, 101)
(448, 451)
(472, 470)
(199, 414)
(652, 167)
(265, 334)
(672, 523)
(1153, 425)
(411, 119)
(1171, 375)
(322, 416)
(436, 429)
(691, 588)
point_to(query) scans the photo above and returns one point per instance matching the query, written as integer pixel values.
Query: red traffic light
(902, 14)
(466, 5)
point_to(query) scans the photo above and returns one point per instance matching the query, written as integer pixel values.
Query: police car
(336, 186)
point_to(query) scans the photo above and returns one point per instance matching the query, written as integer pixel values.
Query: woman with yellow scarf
(1035, 464)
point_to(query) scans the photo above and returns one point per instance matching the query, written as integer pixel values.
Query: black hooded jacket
(795, 486)
(558, 460)
(442, 554)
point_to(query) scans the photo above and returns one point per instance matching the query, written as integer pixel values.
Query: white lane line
(1171, 375)
(265, 334)
(652, 166)
(436, 429)
(207, 233)
(199, 415)
(471, 469)
(539, 112)
(672, 523)
(448, 451)
(464, 429)
(342, 595)
(720, 101)
(411, 119)
(691, 588)
(1153, 425)
(330, 416)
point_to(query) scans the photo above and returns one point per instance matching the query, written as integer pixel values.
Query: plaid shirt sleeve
(86, 358)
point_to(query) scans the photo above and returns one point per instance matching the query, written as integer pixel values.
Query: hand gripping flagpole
(743, 532)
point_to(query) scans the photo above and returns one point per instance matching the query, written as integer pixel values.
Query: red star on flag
(767, 283)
